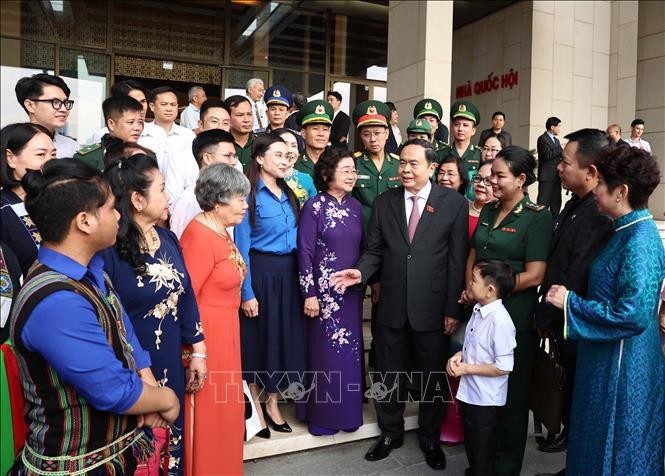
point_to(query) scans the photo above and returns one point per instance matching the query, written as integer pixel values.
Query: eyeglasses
(372, 134)
(229, 156)
(444, 174)
(57, 103)
(479, 178)
(493, 150)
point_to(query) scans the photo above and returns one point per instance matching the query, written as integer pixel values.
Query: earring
(139, 210)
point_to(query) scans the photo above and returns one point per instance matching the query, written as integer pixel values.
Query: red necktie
(414, 218)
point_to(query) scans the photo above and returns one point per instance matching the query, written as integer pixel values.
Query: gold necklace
(150, 245)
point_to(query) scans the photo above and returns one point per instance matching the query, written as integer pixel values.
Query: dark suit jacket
(420, 281)
(392, 145)
(442, 133)
(549, 156)
(580, 232)
(340, 128)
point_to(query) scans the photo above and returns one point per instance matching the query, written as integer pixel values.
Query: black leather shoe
(558, 444)
(281, 428)
(264, 433)
(434, 455)
(382, 448)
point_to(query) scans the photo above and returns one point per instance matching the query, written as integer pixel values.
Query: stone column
(420, 40)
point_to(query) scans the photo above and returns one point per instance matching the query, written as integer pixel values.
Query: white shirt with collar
(189, 117)
(489, 339)
(65, 146)
(397, 133)
(423, 194)
(639, 144)
(174, 156)
(262, 108)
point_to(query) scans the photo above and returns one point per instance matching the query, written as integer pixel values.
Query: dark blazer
(340, 128)
(392, 145)
(580, 232)
(549, 156)
(420, 281)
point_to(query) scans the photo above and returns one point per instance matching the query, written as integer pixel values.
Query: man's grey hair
(193, 91)
(218, 184)
(252, 82)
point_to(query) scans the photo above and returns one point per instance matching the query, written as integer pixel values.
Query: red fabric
(452, 428)
(15, 397)
(160, 456)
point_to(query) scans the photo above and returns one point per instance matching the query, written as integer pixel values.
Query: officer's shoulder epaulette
(89, 148)
(357, 154)
(393, 155)
(534, 206)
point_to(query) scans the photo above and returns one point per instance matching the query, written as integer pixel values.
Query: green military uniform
(523, 236)
(372, 182)
(92, 154)
(245, 153)
(431, 107)
(314, 112)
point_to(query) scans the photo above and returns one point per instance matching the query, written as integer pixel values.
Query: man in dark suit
(339, 131)
(580, 232)
(418, 242)
(498, 121)
(549, 155)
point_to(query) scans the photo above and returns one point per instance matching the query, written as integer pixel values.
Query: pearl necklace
(478, 210)
(633, 222)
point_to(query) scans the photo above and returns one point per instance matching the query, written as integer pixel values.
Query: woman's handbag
(547, 390)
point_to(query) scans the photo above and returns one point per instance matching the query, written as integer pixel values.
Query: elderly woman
(452, 173)
(329, 240)
(619, 395)
(217, 271)
(272, 329)
(148, 272)
(482, 194)
(25, 146)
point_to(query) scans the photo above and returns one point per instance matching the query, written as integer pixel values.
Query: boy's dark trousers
(480, 432)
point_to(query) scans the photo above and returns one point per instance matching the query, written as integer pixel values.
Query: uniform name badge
(363, 177)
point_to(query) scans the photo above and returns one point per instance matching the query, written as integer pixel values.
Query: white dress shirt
(65, 147)
(408, 203)
(262, 108)
(189, 117)
(639, 144)
(397, 133)
(489, 339)
(97, 136)
(174, 156)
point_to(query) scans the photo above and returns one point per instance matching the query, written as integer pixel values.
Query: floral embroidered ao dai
(329, 240)
(163, 311)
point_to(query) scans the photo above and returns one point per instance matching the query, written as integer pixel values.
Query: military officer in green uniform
(314, 120)
(377, 168)
(419, 129)
(124, 119)
(242, 121)
(518, 232)
(431, 110)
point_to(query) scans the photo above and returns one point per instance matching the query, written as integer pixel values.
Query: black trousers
(394, 351)
(549, 194)
(481, 426)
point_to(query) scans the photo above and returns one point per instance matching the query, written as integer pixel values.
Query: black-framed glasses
(57, 103)
(479, 178)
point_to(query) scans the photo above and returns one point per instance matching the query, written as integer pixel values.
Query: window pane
(237, 80)
(278, 35)
(86, 75)
(309, 84)
(358, 44)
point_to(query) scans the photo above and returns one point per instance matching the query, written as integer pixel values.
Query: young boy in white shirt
(484, 363)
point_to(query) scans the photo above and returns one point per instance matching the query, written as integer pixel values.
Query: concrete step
(301, 439)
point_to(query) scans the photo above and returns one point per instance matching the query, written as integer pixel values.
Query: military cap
(428, 106)
(419, 126)
(277, 95)
(315, 112)
(465, 109)
(371, 113)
